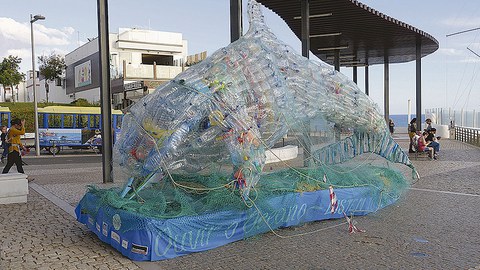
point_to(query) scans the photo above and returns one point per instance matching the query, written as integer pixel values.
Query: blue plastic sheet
(168, 238)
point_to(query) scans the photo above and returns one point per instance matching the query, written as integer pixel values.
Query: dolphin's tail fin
(381, 144)
(255, 13)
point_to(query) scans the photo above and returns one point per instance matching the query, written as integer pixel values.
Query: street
(70, 158)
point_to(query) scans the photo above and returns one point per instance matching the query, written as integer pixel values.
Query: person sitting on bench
(423, 146)
(432, 140)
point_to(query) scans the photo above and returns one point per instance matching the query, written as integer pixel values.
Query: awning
(362, 34)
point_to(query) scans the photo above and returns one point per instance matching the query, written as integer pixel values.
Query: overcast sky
(449, 76)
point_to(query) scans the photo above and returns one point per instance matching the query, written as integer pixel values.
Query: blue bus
(74, 127)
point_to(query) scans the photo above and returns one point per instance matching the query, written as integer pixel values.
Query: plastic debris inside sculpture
(197, 146)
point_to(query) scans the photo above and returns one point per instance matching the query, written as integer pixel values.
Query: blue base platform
(160, 239)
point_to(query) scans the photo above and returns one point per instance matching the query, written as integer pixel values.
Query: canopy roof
(363, 34)
(4, 109)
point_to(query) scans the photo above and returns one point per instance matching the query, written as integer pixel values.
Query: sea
(401, 120)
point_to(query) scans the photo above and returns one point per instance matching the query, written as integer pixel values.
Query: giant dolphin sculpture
(238, 103)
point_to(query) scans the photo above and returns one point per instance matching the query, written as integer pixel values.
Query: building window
(163, 60)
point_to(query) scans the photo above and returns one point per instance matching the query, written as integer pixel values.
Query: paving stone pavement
(38, 235)
(434, 226)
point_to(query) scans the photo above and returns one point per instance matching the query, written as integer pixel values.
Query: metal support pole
(386, 87)
(439, 116)
(418, 83)
(305, 11)
(454, 119)
(336, 60)
(34, 84)
(462, 114)
(355, 74)
(235, 20)
(103, 45)
(409, 111)
(474, 119)
(366, 79)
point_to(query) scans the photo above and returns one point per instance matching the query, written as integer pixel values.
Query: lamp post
(34, 84)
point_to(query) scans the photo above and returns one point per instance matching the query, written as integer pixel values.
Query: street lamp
(34, 84)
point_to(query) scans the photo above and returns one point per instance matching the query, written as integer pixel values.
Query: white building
(17, 94)
(56, 91)
(140, 61)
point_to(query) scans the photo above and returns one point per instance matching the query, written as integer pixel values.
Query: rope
(141, 200)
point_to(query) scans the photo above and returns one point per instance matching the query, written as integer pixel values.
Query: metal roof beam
(333, 48)
(314, 16)
(326, 35)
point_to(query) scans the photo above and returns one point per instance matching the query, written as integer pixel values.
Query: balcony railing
(154, 72)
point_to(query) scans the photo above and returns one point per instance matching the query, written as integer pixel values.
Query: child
(4, 142)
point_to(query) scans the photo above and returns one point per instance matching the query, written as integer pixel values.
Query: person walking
(412, 130)
(391, 126)
(14, 150)
(4, 142)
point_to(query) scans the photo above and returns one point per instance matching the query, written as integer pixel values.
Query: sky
(450, 76)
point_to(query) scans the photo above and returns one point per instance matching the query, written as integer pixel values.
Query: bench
(420, 154)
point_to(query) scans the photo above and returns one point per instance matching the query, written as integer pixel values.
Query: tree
(9, 72)
(51, 67)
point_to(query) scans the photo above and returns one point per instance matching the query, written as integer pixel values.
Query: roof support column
(354, 74)
(386, 85)
(235, 20)
(366, 77)
(305, 12)
(305, 6)
(418, 83)
(336, 63)
(336, 59)
(105, 100)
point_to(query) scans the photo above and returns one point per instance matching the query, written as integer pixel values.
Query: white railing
(451, 117)
(468, 135)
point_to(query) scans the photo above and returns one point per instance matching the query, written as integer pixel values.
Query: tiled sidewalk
(39, 235)
(441, 208)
